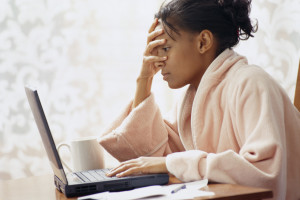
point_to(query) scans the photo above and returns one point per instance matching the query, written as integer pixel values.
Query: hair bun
(238, 12)
(227, 20)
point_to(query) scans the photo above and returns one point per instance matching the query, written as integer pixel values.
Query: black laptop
(85, 182)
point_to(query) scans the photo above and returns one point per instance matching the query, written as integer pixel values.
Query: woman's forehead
(165, 35)
(170, 35)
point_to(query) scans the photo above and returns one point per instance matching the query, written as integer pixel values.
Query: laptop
(76, 184)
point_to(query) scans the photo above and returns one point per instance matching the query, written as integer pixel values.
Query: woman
(234, 124)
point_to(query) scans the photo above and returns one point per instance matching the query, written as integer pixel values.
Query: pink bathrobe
(239, 126)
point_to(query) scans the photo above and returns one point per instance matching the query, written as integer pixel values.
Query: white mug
(86, 154)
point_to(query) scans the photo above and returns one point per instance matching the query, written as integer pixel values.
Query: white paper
(191, 191)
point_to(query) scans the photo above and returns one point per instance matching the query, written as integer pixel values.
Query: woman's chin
(174, 85)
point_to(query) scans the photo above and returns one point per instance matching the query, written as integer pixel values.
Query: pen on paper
(178, 188)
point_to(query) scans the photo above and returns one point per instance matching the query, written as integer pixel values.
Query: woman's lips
(165, 76)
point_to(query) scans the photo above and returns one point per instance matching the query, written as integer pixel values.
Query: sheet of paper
(191, 191)
(150, 191)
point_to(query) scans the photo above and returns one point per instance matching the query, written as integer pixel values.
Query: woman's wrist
(143, 89)
(144, 78)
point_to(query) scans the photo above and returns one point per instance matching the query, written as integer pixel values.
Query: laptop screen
(43, 127)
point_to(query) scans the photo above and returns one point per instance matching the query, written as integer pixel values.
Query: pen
(178, 188)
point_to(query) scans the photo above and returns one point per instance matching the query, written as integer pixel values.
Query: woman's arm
(142, 132)
(140, 129)
(149, 68)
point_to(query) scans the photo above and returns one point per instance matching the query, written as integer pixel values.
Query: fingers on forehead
(159, 26)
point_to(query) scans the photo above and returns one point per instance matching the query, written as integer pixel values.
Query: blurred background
(84, 57)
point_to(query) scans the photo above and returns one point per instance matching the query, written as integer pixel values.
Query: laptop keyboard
(93, 175)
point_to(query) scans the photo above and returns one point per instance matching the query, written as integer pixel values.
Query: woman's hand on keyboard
(141, 165)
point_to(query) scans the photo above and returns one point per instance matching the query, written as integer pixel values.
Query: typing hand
(141, 165)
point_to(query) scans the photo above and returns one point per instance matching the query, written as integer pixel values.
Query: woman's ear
(205, 41)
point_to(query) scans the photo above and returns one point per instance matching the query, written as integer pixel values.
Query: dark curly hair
(228, 20)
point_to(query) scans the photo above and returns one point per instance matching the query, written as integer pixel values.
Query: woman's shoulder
(248, 80)
(251, 75)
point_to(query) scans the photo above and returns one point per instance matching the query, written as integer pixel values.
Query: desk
(42, 187)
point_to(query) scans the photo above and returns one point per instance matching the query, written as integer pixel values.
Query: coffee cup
(86, 154)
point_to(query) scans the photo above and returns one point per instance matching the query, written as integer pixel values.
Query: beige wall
(84, 56)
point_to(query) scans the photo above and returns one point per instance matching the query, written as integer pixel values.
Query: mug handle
(68, 147)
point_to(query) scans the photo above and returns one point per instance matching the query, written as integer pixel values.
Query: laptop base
(81, 189)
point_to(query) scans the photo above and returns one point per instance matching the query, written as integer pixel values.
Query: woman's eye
(166, 49)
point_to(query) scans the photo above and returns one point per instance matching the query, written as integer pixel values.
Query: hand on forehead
(168, 34)
(159, 26)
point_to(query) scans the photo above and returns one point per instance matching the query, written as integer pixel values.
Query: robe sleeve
(258, 115)
(141, 132)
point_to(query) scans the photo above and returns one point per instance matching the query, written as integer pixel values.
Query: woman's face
(184, 64)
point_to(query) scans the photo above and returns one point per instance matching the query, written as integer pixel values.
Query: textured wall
(276, 46)
(84, 56)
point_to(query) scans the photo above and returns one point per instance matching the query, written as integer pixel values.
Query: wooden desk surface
(42, 187)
